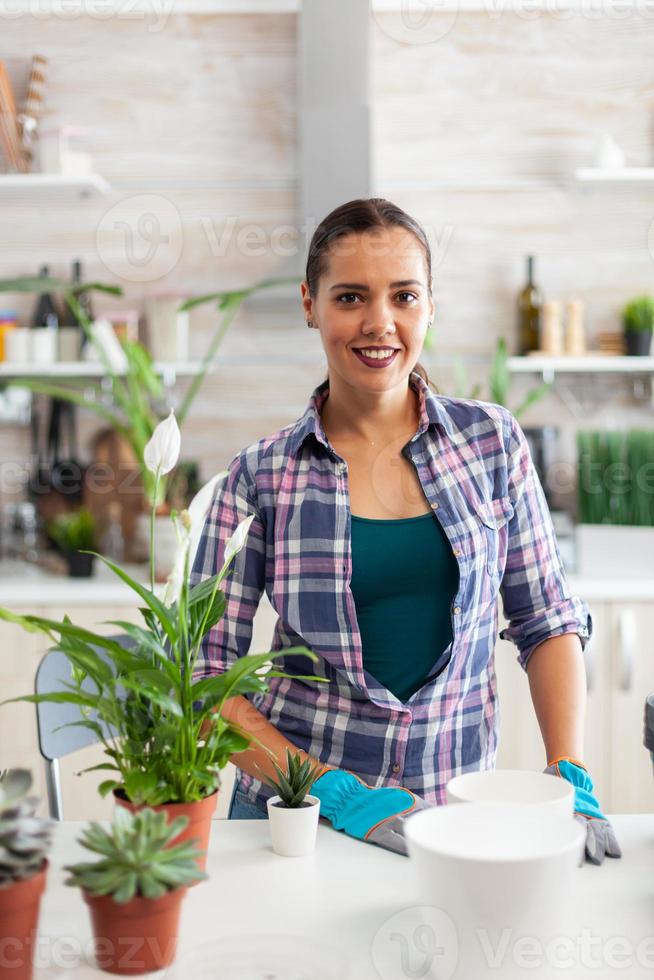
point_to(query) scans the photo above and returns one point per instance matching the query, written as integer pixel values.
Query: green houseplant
(615, 502)
(24, 843)
(163, 732)
(75, 535)
(638, 323)
(135, 889)
(293, 814)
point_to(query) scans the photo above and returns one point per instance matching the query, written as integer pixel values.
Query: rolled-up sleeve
(243, 585)
(537, 600)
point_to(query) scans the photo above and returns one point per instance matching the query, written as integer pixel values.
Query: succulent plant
(293, 785)
(24, 838)
(136, 859)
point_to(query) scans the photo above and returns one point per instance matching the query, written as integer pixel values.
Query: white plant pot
(615, 550)
(293, 830)
(165, 542)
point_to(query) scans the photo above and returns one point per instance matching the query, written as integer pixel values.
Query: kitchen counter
(24, 584)
(350, 911)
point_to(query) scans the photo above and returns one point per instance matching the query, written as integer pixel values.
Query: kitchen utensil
(9, 132)
(535, 790)
(66, 473)
(495, 870)
(29, 117)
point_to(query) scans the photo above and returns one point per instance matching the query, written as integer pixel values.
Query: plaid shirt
(476, 471)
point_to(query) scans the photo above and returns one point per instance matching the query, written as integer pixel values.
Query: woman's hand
(371, 814)
(600, 836)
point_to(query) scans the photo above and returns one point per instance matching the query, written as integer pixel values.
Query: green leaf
(161, 611)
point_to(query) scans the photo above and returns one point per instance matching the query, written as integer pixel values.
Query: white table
(350, 910)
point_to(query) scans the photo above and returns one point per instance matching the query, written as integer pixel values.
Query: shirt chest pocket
(493, 523)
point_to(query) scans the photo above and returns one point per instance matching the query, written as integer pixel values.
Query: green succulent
(135, 857)
(24, 838)
(638, 315)
(293, 785)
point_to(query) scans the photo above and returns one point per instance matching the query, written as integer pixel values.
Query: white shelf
(586, 364)
(136, 8)
(611, 177)
(89, 369)
(50, 186)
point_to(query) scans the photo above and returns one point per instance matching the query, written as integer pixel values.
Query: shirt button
(456, 552)
(457, 610)
(434, 506)
(396, 767)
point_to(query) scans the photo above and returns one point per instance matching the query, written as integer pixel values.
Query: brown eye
(339, 298)
(408, 294)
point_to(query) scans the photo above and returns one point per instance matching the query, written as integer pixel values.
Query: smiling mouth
(377, 361)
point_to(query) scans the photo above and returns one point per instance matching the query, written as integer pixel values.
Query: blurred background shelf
(588, 364)
(613, 177)
(84, 369)
(40, 187)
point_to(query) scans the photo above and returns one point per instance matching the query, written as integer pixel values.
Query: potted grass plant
(24, 843)
(292, 812)
(135, 889)
(163, 732)
(74, 533)
(638, 323)
(615, 503)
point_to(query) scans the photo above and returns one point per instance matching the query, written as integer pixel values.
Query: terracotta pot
(136, 936)
(19, 917)
(200, 814)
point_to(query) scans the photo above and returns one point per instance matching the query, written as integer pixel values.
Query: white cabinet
(620, 675)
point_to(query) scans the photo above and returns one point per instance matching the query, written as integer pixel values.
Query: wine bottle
(530, 302)
(84, 300)
(45, 323)
(45, 313)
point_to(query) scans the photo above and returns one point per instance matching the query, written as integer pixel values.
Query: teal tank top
(404, 578)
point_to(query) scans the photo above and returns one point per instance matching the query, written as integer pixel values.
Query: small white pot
(293, 830)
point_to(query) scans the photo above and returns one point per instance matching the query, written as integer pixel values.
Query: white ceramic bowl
(496, 870)
(514, 786)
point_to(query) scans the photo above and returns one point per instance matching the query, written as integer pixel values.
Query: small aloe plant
(136, 859)
(24, 838)
(293, 785)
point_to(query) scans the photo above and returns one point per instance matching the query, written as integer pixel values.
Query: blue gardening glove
(372, 814)
(600, 836)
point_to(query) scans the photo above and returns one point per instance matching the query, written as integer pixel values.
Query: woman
(387, 522)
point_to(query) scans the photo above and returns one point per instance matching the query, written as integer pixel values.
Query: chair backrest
(52, 674)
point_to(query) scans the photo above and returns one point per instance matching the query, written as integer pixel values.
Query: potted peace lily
(292, 812)
(135, 889)
(163, 732)
(24, 843)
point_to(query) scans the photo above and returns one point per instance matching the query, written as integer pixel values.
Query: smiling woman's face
(373, 293)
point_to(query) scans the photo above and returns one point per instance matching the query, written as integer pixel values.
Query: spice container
(7, 323)
(551, 336)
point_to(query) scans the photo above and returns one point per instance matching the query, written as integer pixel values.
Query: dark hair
(358, 216)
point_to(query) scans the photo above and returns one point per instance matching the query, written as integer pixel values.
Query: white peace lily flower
(162, 451)
(193, 523)
(237, 540)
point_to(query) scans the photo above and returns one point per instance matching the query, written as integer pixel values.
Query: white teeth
(380, 355)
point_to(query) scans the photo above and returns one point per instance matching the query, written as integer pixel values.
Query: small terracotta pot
(19, 916)
(136, 936)
(200, 814)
